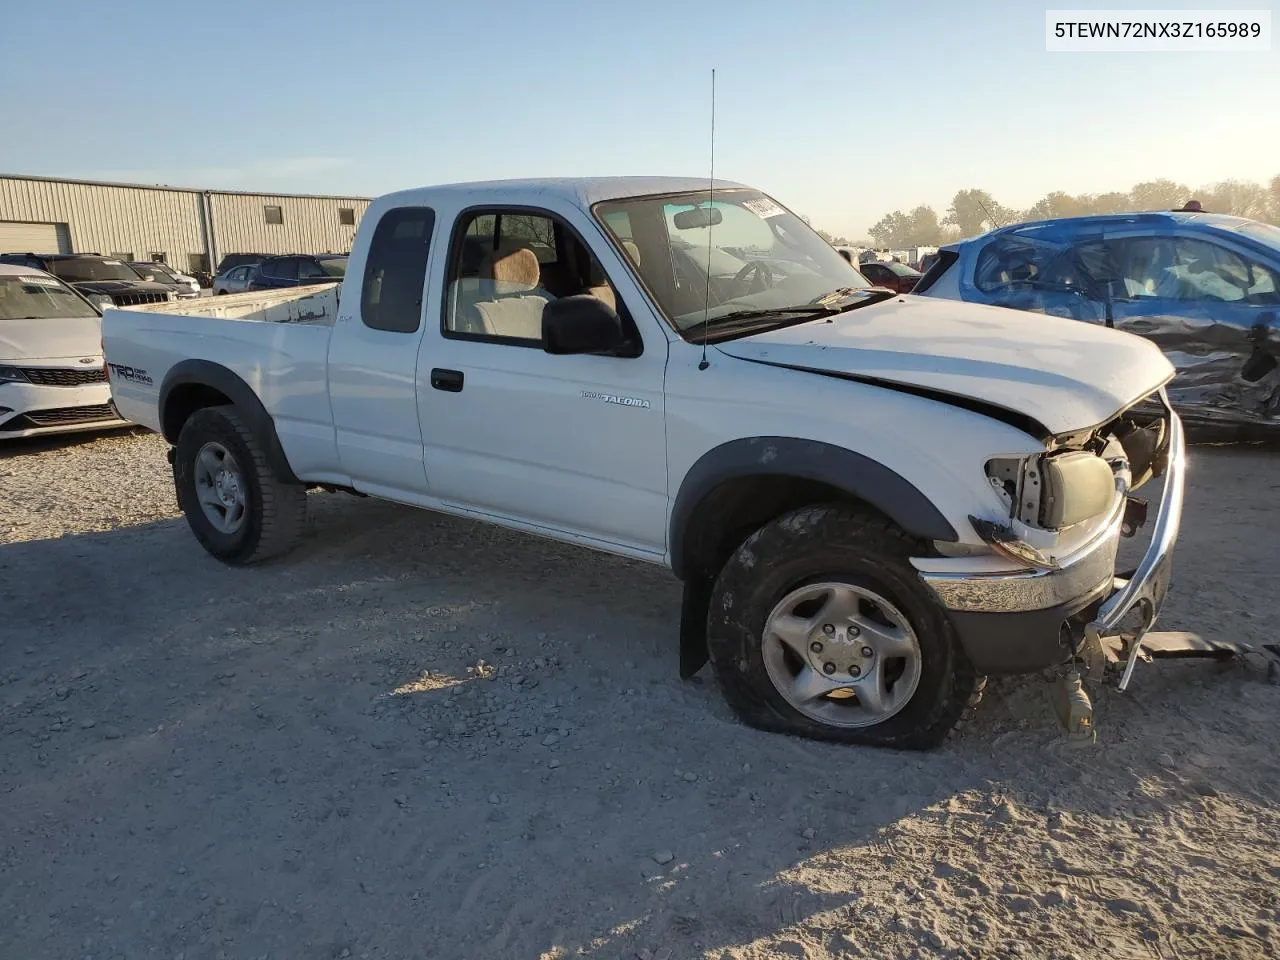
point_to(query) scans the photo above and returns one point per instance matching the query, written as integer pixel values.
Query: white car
(873, 500)
(52, 378)
(185, 287)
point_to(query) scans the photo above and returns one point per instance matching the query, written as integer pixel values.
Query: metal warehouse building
(189, 229)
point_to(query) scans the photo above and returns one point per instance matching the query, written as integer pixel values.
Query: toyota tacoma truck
(873, 500)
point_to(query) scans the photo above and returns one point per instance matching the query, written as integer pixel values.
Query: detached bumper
(1026, 620)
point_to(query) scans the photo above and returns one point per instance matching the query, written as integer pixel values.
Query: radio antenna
(994, 222)
(711, 205)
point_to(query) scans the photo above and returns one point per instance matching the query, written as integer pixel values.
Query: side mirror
(581, 324)
(847, 256)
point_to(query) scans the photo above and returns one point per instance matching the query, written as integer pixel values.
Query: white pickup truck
(873, 500)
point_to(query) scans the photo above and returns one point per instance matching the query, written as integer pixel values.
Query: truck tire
(236, 506)
(820, 627)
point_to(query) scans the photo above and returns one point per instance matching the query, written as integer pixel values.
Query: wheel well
(184, 400)
(737, 508)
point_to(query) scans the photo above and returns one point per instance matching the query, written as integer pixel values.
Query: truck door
(373, 356)
(567, 444)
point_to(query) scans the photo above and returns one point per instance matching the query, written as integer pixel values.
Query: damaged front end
(1047, 592)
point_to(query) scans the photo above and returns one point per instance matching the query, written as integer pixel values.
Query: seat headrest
(632, 251)
(517, 267)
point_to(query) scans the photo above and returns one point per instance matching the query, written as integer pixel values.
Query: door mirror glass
(581, 324)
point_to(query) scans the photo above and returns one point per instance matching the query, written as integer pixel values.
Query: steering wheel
(759, 273)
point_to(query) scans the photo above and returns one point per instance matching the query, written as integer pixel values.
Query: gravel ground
(419, 737)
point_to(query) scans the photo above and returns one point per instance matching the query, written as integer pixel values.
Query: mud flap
(693, 625)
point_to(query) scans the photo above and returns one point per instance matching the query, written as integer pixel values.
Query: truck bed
(276, 342)
(313, 305)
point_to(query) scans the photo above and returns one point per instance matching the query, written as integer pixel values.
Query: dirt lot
(418, 737)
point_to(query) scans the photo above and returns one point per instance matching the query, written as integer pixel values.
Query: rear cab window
(395, 270)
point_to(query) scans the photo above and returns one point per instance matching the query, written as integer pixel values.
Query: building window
(347, 216)
(158, 257)
(126, 257)
(198, 263)
(273, 214)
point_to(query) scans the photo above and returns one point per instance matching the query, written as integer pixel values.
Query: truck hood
(1062, 375)
(47, 339)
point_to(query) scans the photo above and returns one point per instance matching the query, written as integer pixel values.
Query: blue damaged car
(1204, 287)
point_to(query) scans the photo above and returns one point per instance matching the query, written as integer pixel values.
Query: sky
(843, 110)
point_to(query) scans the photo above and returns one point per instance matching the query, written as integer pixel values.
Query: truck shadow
(423, 736)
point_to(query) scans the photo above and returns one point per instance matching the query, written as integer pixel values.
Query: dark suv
(298, 270)
(233, 260)
(104, 281)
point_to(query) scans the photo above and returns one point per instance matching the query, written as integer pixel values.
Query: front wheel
(236, 506)
(820, 627)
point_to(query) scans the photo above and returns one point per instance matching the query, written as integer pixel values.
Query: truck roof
(584, 191)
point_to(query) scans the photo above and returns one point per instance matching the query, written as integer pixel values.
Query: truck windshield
(82, 271)
(334, 266)
(761, 257)
(39, 298)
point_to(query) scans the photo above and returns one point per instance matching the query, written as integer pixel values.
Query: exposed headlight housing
(1055, 491)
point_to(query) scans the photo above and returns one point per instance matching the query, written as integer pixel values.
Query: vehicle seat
(513, 302)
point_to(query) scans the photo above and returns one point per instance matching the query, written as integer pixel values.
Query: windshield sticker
(41, 281)
(763, 207)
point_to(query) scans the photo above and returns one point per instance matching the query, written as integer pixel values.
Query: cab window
(505, 265)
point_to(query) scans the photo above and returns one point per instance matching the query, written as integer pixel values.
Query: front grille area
(64, 376)
(63, 417)
(137, 299)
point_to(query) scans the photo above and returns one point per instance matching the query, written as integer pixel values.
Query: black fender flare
(855, 474)
(206, 373)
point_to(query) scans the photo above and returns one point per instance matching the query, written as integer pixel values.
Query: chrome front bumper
(984, 596)
(1145, 590)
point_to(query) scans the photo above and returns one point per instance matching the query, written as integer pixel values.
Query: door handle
(450, 380)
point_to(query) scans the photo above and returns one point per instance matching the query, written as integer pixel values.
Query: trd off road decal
(130, 373)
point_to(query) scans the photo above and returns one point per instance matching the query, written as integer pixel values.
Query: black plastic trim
(826, 463)
(946, 258)
(1026, 641)
(206, 373)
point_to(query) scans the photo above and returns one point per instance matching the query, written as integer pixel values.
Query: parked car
(1204, 287)
(897, 277)
(298, 271)
(235, 280)
(184, 287)
(872, 502)
(236, 259)
(105, 281)
(51, 370)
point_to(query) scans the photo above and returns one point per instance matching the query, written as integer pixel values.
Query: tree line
(975, 211)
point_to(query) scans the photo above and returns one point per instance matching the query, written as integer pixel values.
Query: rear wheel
(821, 627)
(236, 506)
